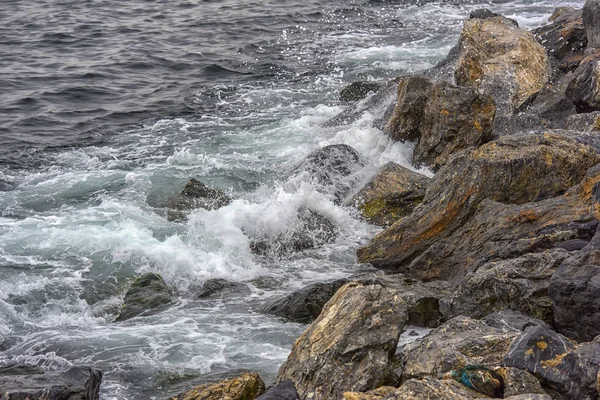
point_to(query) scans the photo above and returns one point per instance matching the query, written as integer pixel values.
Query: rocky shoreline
(497, 255)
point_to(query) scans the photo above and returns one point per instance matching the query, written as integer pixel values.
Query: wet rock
(502, 59)
(584, 88)
(459, 342)
(390, 195)
(305, 305)
(564, 39)
(575, 290)
(489, 216)
(148, 294)
(591, 20)
(483, 13)
(28, 382)
(282, 391)
(350, 345)
(247, 386)
(519, 382)
(358, 90)
(555, 362)
(519, 284)
(442, 118)
(195, 195)
(220, 287)
(430, 388)
(559, 12)
(509, 320)
(312, 230)
(331, 168)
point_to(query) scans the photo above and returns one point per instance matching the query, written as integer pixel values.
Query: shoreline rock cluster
(498, 254)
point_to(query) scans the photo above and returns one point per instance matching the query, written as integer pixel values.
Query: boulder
(384, 392)
(29, 382)
(350, 345)
(553, 359)
(559, 12)
(502, 59)
(519, 284)
(195, 195)
(221, 287)
(332, 168)
(441, 117)
(483, 13)
(429, 388)
(584, 88)
(591, 20)
(459, 342)
(564, 39)
(282, 391)
(464, 221)
(148, 294)
(509, 320)
(358, 90)
(247, 386)
(575, 291)
(390, 195)
(519, 382)
(311, 230)
(305, 305)
(530, 397)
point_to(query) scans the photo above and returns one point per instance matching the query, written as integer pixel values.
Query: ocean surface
(108, 107)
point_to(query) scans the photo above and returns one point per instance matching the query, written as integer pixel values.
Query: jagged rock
(311, 230)
(304, 305)
(489, 216)
(282, 391)
(591, 20)
(499, 57)
(584, 88)
(384, 392)
(148, 294)
(247, 386)
(517, 284)
(453, 345)
(390, 195)
(575, 291)
(509, 320)
(31, 383)
(530, 397)
(441, 117)
(555, 362)
(519, 382)
(221, 286)
(559, 12)
(331, 168)
(195, 195)
(358, 90)
(349, 346)
(430, 388)
(564, 39)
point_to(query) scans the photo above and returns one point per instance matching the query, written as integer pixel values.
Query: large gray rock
(147, 295)
(349, 347)
(359, 90)
(584, 88)
(31, 383)
(282, 391)
(519, 382)
(221, 287)
(591, 20)
(195, 195)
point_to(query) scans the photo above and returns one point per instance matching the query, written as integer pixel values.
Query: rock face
(248, 386)
(148, 293)
(584, 89)
(575, 291)
(195, 195)
(442, 118)
(27, 382)
(453, 345)
(591, 20)
(564, 39)
(499, 57)
(358, 90)
(554, 360)
(390, 195)
(519, 284)
(282, 391)
(349, 346)
(305, 305)
(463, 221)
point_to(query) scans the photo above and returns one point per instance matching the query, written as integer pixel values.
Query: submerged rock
(390, 195)
(195, 195)
(462, 222)
(358, 90)
(148, 294)
(219, 286)
(282, 391)
(591, 20)
(584, 88)
(28, 382)
(441, 117)
(350, 345)
(248, 386)
(502, 59)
